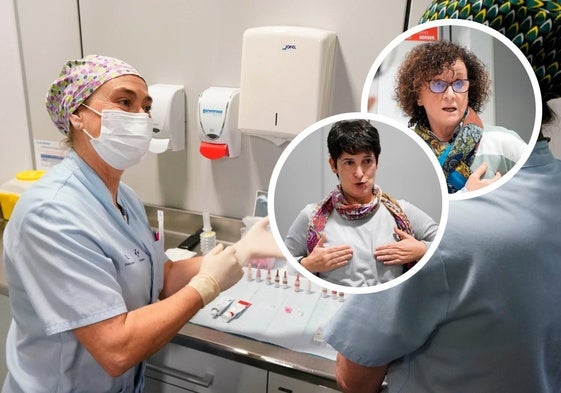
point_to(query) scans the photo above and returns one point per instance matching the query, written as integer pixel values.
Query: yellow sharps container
(13, 188)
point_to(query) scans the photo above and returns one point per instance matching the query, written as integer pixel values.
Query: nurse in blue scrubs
(483, 314)
(91, 289)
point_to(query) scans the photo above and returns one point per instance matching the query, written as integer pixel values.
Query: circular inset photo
(357, 203)
(468, 92)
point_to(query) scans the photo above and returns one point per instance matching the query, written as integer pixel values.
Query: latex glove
(219, 271)
(258, 242)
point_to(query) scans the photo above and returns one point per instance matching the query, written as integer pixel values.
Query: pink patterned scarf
(336, 200)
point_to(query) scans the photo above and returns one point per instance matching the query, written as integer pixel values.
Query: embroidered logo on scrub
(133, 257)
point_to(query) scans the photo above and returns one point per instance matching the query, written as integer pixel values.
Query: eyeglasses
(439, 86)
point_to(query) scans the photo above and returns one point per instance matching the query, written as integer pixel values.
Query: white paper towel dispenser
(168, 113)
(286, 79)
(218, 122)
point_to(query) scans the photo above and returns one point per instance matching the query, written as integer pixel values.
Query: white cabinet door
(177, 369)
(156, 386)
(283, 384)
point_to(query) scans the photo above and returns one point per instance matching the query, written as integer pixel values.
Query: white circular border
(272, 191)
(513, 48)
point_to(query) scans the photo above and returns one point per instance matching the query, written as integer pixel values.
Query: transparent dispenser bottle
(208, 236)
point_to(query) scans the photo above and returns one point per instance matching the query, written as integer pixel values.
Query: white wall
(49, 35)
(418, 7)
(14, 131)
(198, 44)
(194, 43)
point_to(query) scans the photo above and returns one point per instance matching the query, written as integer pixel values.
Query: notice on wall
(430, 34)
(48, 153)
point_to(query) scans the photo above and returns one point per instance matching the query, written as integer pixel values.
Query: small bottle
(297, 283)
(208, 236)
(323, 292)
(333, 294)
(318, 335)
(258, 274)
(341, 296)
(277, 279)
(284, 280)
(268, 277)
(308, 286)
(249, 275)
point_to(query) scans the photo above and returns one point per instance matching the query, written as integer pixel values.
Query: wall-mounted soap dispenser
(168, 113)
(218, 122)
(286, 79)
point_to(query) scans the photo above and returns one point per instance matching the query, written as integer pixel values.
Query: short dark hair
(353, 137)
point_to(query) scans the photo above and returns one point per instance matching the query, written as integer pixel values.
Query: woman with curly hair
(442, 86)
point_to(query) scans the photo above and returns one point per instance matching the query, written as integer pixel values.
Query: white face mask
(124, 137)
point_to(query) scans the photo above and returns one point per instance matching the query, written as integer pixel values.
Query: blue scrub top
(483, 314)
(73, 259)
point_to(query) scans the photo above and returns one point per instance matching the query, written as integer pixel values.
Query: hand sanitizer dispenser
(168, 113)
(218, 123)
(286, 79)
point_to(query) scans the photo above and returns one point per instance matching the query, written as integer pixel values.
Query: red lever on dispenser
(214, 151)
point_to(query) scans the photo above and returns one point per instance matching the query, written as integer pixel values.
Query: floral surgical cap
(533, 25)
(77, 80)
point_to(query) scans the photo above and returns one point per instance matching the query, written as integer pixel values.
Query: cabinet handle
(205, 381)
(285, 390)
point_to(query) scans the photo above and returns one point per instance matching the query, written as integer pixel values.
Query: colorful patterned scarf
(457, 156)
(336, 200)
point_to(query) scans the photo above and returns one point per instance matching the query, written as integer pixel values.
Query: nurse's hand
(324, 259)
(219, 271)
(258, 242)
(408, 249)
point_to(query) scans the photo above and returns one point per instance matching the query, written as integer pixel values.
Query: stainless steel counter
(178, 225)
